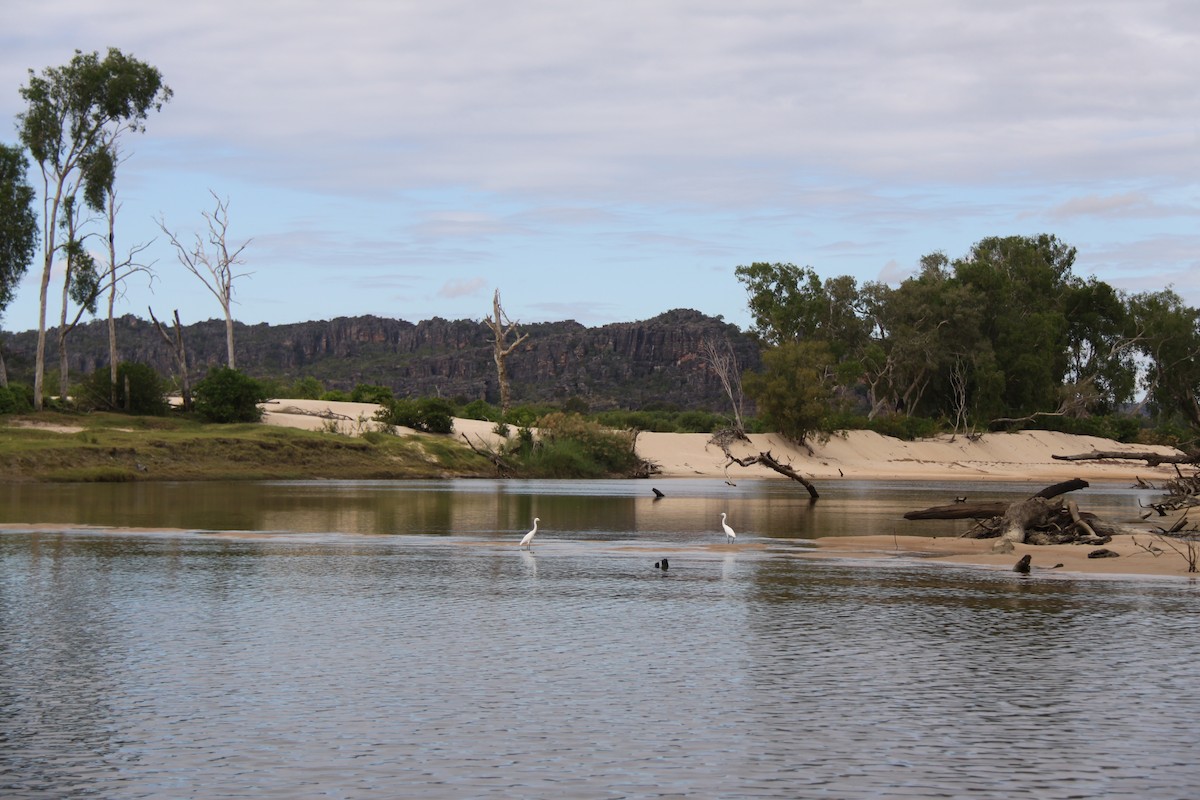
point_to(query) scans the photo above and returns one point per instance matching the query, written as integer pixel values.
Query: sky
(609, 161)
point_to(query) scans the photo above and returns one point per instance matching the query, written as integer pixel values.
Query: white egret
(729, 534)
(529, 536)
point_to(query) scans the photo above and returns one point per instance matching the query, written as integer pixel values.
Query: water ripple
(440, 668)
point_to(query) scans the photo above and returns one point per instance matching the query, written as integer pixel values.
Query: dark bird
(663, 565)
(657, 494)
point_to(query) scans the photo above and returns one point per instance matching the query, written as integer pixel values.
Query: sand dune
(1027, 455)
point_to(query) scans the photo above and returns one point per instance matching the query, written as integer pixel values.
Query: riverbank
(863, 455)
(111, 454)
(866, 455)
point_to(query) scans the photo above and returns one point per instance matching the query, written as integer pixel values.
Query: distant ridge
(651, 363)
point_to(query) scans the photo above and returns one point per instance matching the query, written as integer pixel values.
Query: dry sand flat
(1134, 556)
(1027, 455)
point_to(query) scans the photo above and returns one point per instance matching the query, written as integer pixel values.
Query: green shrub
(16, 398)
(147, 390)
(366, 393)
(226, 395)
(570, 446)
(430, 414)
(1119, 427)
(335, 396)
(480, 409)
(307, 388)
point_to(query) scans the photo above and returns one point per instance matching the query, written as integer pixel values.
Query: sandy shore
(864, 455)
(1138, 554)
(1027, 455)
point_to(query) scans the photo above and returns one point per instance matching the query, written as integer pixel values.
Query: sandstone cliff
(643, 364)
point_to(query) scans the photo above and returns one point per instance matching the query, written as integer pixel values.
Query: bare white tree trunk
(213, 263)
(501, 328)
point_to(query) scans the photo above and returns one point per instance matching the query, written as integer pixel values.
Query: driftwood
(498, 461)
(769, 461)
(964, 510)
(1151, 459)
(960, 511)
(1041, 519)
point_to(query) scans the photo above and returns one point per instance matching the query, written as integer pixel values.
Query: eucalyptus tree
(68, 111)
(1022, 284)
(18, 228)
(1169, 338)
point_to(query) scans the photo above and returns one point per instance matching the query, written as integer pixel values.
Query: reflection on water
(586, 509)
(332, 664)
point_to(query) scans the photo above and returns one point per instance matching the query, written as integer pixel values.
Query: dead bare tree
(721, 359)
(501, 328)
(179, 352)
(213, 262)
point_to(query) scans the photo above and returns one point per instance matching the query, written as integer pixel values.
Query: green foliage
(147, 390)
(1008, 330)
(306, 388)
(226, 395)
(662, 421)
(16, 398)
(366, 393)
(1118, 427)
(335, 396)
(793, 391)
(898, 426)
(18, 222)
(480, 409)
(430, 414)
(791, 303)
(526, 415)
(569, 446)
(1170, 340)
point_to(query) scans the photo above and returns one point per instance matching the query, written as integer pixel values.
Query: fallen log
(960, 511)
(1040, 519)
(1151, 459)
(769, 461)
(1055, 489)
(993, 509)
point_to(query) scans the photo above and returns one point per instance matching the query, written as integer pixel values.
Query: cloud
(1124, 205)
(472, 287)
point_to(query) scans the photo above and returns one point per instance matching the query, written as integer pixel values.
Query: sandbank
(865, 455)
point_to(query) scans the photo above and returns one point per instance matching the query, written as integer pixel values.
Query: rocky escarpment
(652, 363)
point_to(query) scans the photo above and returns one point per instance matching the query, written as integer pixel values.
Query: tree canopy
(1007, 331)
(18, 222)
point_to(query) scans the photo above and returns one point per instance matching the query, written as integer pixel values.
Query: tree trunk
(769, 461)
(229, 334)
(63, 374)
(1151, 459)
(1019, 517)
(39, 368)
(112, 298)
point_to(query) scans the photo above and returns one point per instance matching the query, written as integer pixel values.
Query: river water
(379, 639)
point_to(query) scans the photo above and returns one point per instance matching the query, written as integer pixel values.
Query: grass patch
(116, 447)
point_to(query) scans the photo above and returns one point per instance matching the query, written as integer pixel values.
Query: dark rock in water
(657, 494)
(1023, 565)
(1103, 552)
(663, 565)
